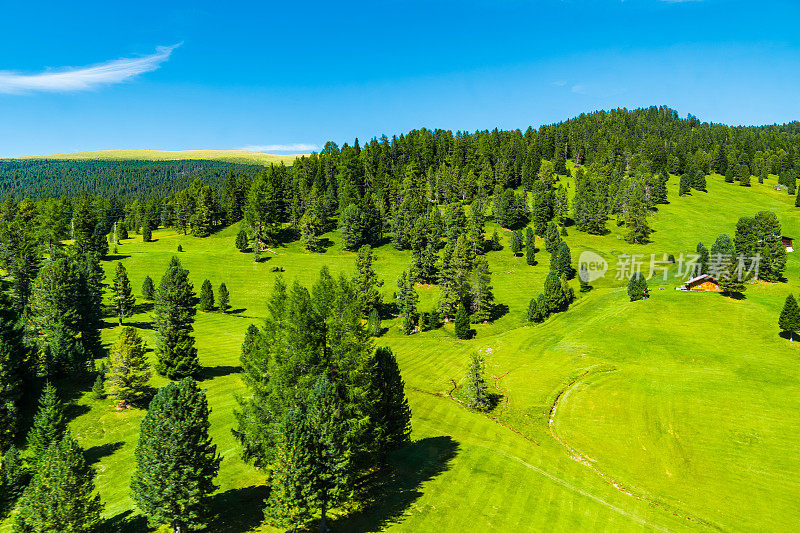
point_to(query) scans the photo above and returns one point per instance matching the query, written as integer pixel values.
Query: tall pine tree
(173, 318)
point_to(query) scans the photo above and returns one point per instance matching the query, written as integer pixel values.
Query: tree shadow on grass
(389, 493)
(499, 311)
(115, 257)
(126, 522)
(95, 453)
(237, 510)
(211, 372)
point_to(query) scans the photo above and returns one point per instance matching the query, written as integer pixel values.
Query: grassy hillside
(674, 413)
(231, 156)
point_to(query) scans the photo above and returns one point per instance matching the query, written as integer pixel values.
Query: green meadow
(679, 412)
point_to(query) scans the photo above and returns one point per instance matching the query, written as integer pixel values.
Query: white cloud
(83, 78)
(296, 147)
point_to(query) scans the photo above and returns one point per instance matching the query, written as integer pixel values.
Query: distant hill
(247, 157)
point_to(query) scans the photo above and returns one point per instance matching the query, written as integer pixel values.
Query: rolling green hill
(674, 413)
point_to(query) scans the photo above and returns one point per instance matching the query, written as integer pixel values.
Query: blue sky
(225, 75)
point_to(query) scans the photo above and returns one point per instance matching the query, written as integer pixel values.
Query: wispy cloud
(296, 147)
(83, 78)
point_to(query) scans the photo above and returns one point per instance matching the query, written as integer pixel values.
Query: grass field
(230, 156)
(675, 413)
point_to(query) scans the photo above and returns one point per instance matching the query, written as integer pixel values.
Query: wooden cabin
(703, 282)
(788, 242)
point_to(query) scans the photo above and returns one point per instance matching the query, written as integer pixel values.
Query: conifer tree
(241, 240)
(148, 289)
(98, 388)
(530, 246)
(566, 289)
(173, 317)
(462, 329)
(291, 500)
(350, 221)
(12, 360)
(224, 298)
(554, 293)
(391, 415)
(482, 297)
(516, 242)
(563, 260)
(129, 370)
(541, 304)
(407, 303)
(477, 222)
(685, 186)
(206, 302)
(374, 323)
(551, 238)
(476, 388)
(49, 425)
(176, 463)
(702, 260)
(637, 287)
(147, 231)
(14, 478)
(366, 282)
(789, 320)
(123, 295)
(797, 199)
(61, 495)
(534, 313)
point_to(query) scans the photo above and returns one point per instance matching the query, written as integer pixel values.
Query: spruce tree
(49, 425)
(476, 388)
(366, 282)
(702, 260)
(241, 240)
(685, 186)
(176, 463)
(173, 317)
(407, 303)
(147, 231)
(350, 222)
(123, 295)
(374, 323)
(530, 246)
(462, 329)
(206, 301)
(789, 320)
(554, 293)
(224, 298)
(61, 496)
(98, 388)
(129, 369)
(637, 287)
(534, 313)
(291, 500)
(482, 300)
(391, 415)
(148, 289)
(14, 478)
(516, 242)
(551, 238)
(12, 360)
(564, 260)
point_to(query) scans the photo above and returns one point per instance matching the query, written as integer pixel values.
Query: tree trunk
(323, 527)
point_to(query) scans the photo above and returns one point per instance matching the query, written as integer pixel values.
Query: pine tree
(123, 294)
(49, 425)
(290, 500)
(685, 186)
(374, 323)
(637, 287)
(98, 388)
(148, 290)
(241, 240)
(477, 222)
(12, 360)
(14, 478)
(366, 282)
(352, 229)
(477, 389)
(407, 303)
(61, 496)
(516, 242)
(530, 246)
(551, 238)
(554, 293)
(702, 260)
(482, 297)
(462, 329)
(147, 231)
(224, 298)
(789, 320)
(206, 302)
(129, 369)
(173, 317)
(563, 260)
(174, 444)
(535, 314)
(391, 415)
